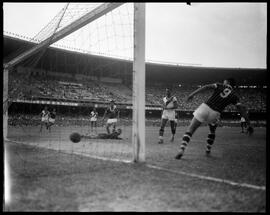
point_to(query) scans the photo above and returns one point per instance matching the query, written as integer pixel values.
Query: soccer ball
(75, 137)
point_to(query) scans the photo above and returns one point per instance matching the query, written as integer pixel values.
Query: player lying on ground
(168, 113)
(113, 135)
(209, 112)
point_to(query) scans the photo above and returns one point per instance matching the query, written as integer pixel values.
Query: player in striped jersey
(209, 112)
(168, 113)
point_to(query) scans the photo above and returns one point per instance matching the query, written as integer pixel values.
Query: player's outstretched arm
(203, 88)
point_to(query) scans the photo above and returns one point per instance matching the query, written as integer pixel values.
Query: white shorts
(93, 119)
(110, 121)
(206, 114)
(51, 120)
(168, 114)
(43, 119)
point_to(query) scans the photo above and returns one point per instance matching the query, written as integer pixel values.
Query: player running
(209, 112)
(51, 121)
(243, 124)
(168, 113)
(93, 119)
(44, 118)
(113, 115)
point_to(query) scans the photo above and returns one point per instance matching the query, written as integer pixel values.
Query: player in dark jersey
(113, 135)
(52, 116)
(113, 114)
(209, 112)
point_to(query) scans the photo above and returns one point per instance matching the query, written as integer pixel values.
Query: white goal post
(138, 127)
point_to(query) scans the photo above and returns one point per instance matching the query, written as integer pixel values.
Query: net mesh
(62, 80)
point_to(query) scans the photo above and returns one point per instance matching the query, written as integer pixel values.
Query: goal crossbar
(84, 20)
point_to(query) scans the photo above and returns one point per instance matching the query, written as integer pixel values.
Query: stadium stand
(34, 87)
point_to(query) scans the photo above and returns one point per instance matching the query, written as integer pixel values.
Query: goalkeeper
(114, 135)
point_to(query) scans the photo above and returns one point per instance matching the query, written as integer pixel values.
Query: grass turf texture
(49, 180)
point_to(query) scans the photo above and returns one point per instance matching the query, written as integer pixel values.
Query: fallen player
(113, 135)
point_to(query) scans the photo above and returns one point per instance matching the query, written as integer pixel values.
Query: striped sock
(210, 141)
(185, 140)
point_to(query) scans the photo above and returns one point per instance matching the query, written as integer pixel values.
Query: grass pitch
(45, 178)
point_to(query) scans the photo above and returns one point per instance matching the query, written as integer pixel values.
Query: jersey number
(225, 93)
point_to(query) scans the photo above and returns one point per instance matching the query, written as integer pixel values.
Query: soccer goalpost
(138, 96)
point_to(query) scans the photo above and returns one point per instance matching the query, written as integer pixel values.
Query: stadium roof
(155, 72)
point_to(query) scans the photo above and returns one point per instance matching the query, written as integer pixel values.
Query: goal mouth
(115, 31)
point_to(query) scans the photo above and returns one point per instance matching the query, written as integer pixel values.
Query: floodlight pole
(138, 121)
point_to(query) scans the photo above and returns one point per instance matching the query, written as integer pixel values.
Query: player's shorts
(110, 121)
(206, 114)
(168, 114)
(44, 119)
(51, 120)
(93, 119)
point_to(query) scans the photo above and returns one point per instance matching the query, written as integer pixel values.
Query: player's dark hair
(231, 81)
(169, 88)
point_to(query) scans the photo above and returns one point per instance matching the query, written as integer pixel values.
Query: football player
(93, 119)
(209, 112)
(44, 118)
(113, 115)
(168, 113)
(243, 123)
(114, 135)
(51, 121)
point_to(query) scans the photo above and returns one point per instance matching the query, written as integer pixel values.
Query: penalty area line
(229, 182)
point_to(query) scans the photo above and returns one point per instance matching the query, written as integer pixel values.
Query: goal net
(83, 60)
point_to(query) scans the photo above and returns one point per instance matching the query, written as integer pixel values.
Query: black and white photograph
(135, 107)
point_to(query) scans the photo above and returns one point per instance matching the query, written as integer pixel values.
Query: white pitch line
(232, 183)
(209, 178)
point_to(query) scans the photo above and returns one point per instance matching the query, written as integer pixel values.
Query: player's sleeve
(236, 100)
(217, 85)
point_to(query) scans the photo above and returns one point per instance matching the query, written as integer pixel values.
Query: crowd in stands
(21, 87)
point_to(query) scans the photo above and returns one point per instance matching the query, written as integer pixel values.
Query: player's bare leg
(91, 123)
(194, 124)
(173, 129)
(211, 138)
(40, 130)
(108, 128)
(49, 126)
(161, 130)
(95, 125)
(114, 127)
